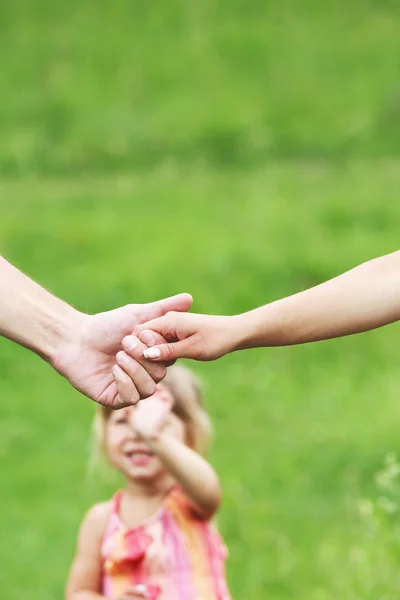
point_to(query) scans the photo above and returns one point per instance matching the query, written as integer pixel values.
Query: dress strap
(116, 503)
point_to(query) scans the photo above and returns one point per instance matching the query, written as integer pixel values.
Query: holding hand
(201, 337)
(81, 347)
(87, 356)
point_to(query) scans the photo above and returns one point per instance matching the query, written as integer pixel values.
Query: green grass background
(240, 151)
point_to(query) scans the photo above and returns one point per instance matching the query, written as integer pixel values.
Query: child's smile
(139, 455)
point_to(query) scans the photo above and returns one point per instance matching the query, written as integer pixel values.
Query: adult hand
(87, 358)
(201, 337)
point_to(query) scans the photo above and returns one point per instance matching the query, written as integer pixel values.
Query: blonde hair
(188, 406)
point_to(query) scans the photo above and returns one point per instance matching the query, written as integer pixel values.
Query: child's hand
(141, 592)
(149, 417)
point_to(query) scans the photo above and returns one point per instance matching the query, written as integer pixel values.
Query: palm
(88, 358)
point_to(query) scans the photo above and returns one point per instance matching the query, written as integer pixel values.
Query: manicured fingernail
(129, 342)
(122, 358)
(147, 338)
(152, 353)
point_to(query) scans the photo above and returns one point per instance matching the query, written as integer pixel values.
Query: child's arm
(84, 582)
(362, 299)
(191, 471)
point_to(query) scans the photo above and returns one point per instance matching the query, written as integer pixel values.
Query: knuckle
(134, 397)
(134, 368)
(171, 315)
(121, 404)
(123, 379)
(149, 389)
(159, 372)
(169, 351)
(158, 338)
(118, 402)
(137, 351)
(194, 348)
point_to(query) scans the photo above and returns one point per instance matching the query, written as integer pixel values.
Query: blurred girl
(154, 539)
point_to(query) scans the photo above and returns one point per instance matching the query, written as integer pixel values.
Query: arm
(152, 421)
(365, 298)
(359, 300)
(192, 473)
(81, 347)
(31, 316)
(84, 582)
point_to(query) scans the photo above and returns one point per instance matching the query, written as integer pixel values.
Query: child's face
(128, 452)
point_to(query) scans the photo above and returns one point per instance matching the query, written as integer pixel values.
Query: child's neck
(156, 488)
(142, 500)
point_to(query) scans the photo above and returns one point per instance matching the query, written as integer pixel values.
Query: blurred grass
(131, 84)
(240, 152)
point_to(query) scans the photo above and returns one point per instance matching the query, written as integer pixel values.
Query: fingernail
(152, 353)
(122, 358)
(147, 338)
(129, 342)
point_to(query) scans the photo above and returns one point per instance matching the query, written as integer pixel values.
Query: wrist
(227, 333)
(237, 332)
(58, 332)
(246, 330)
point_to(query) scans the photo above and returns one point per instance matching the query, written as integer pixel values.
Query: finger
(133, 348)
(163, 326)
(171, 351)
(153, 310)
(138, 375)
(127, 391)
(109, 396)
(152, 338)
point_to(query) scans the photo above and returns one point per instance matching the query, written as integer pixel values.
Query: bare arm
(191, 471)
(82, 347)
(31, 316)
(152, 421)
(359, 300)
(84, 582)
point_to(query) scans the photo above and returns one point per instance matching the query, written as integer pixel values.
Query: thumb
(178, 303)
(169, 352)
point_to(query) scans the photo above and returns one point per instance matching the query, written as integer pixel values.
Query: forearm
(31, 316)
(191, 471)
(362, 299)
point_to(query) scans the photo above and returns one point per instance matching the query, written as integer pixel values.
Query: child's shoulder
(96, 518)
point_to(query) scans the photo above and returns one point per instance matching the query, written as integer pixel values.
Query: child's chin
(143, 474)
